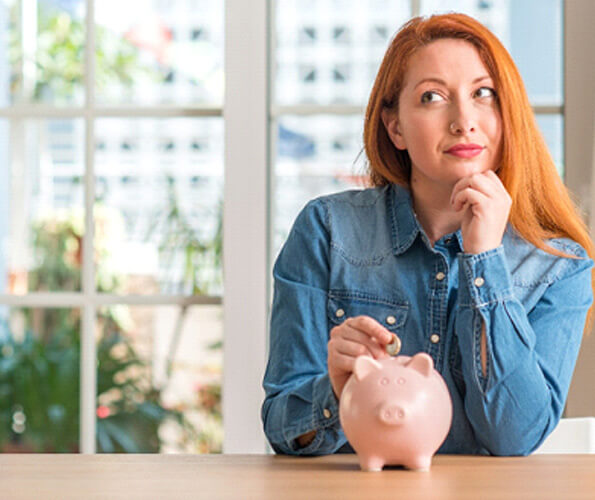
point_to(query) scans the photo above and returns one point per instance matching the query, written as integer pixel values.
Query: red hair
(541, 205)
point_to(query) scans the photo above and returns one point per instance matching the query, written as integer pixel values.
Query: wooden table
(560, 477)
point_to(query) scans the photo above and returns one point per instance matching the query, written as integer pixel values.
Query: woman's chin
(449, 174)
(467, 169)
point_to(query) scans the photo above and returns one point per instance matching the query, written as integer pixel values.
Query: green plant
(39, 373)
(39, 394)
(37, 382)
(202, 258)
(59, 58)
(131, 411)
(209, 398)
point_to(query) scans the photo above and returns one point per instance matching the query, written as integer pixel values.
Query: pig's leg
(371, 463)
(420, 463)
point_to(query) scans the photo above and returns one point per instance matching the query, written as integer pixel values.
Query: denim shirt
(364, 253)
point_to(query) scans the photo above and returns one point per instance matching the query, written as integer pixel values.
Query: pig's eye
(400, 380)
(384, 381)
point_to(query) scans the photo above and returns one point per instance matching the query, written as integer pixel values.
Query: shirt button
(440, 276)
(339, 313)
(327, 413)
(479, 281)
(391, 320)
(435, 338)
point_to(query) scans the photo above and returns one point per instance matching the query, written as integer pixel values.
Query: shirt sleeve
(531, 355)
(298, 393)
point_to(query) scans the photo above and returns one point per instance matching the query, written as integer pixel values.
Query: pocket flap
(389, 314)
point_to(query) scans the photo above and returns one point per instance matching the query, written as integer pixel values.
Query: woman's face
(448, 118)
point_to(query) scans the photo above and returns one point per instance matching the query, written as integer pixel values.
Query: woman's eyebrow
(442, 82)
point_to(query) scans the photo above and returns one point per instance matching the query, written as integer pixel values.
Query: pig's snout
(391, 414)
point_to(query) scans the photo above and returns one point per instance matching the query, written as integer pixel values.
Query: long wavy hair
(541, 205)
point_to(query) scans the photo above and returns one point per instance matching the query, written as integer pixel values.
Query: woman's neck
(434, 212)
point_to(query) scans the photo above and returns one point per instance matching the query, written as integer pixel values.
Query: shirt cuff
(326, 404)
(325, 415)
(484, 278)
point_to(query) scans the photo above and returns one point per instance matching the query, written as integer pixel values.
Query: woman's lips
(465, 150)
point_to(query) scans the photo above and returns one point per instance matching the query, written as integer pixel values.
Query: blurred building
(325, 54)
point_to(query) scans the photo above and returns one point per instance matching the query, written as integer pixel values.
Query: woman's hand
(486, 203)
(352, 338)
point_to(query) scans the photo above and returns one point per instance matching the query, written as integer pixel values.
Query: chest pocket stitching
(360, 296)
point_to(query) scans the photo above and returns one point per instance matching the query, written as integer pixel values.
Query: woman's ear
(391, 123)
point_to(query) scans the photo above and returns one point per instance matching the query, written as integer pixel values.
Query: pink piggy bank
(395, 411)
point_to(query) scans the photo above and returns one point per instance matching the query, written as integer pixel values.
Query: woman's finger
(369, 333)
(352, 349)
(493, 176)
(480, 182)
(469, 196)
(347, 340)
(370, 327)
(341, 362)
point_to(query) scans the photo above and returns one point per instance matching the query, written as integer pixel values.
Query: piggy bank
(395, 411)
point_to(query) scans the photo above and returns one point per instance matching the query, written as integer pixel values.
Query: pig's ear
(422, 363)
(365, 365)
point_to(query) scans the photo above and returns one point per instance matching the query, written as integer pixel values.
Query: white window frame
(245, 223)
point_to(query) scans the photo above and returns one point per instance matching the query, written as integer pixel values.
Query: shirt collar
(404, 224)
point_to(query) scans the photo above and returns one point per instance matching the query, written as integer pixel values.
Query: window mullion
(245, 227)
(49, 111)
(579, 103)
(415, 8)
(88, 386)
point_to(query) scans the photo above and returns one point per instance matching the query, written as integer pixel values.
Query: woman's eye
(485, 92)
(430, 96)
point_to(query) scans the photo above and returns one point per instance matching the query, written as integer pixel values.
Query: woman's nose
(462, 121)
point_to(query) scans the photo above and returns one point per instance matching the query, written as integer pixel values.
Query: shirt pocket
(391, 315)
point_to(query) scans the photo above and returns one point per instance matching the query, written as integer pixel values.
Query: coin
(394, 347)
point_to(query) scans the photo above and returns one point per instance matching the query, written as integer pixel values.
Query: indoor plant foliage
(202, 258)
(40, 369)
(59, 58)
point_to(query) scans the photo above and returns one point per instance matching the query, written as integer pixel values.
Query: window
(113, 154)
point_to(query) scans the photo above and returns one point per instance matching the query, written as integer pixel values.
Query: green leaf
(120, 435)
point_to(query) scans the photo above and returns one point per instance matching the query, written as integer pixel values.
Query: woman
(468, 247)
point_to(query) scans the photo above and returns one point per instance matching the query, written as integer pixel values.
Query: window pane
(159, 379)
(41, 193)
(531, 30)
(39, 380)
(158, 52)
(42, 51)
(328, 51)
(159, 190)
(315, 156)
